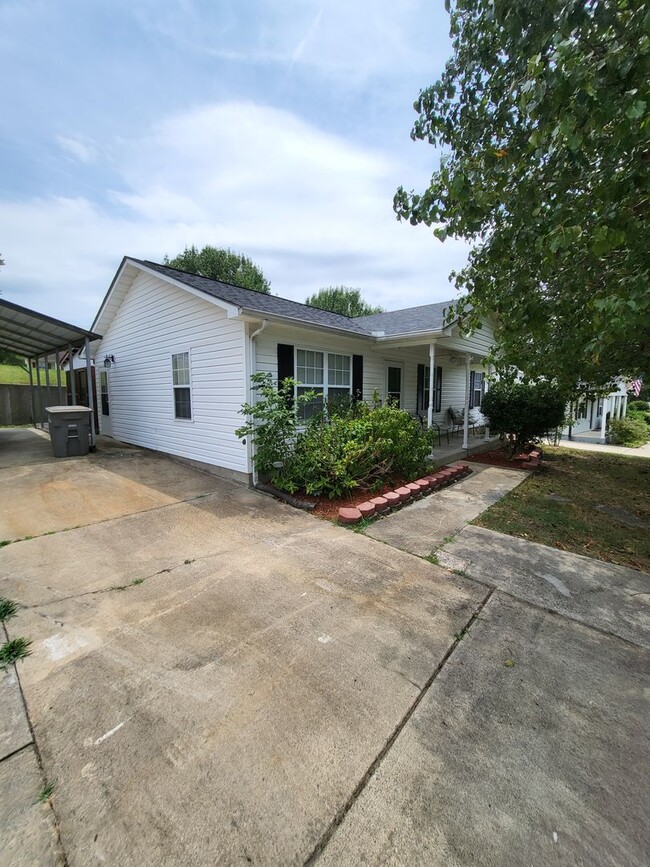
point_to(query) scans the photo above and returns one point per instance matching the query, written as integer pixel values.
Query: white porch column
(465, 445)
(485, 391)
(623, 406)
(603, 420)
(432, 370)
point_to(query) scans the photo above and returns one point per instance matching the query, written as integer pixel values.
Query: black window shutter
(357, 377)
(285, 363)
(438, 389)
(420, 390)
(471, 389)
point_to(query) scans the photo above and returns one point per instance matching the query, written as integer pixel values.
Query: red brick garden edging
(408, 493)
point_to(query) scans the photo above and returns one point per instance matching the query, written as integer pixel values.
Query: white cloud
(308, 206)
(78, 147)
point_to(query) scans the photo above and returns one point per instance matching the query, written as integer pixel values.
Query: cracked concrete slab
(53, 495)
(527, 749)
(423, 526)
(14, 728)
(231, 702)
(28, 832)
(609, 597)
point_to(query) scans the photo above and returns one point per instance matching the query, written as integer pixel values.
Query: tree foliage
(524, 412)
(220, 264)
(542, 114)
(343, 300)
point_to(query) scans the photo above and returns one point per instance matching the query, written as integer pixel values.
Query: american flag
(635, 386)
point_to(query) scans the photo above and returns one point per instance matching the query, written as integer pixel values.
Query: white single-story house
(589, 415)
(174, 363)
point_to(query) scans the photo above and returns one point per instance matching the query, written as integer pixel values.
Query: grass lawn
(11, 374)
(586, 480)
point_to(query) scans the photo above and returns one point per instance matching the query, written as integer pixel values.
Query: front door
(394, 384)
(105, 403)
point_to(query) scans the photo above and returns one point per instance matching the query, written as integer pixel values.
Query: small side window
(103, 388)
(181, 385)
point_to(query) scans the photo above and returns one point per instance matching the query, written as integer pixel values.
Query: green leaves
(343, 300)
(220, 264)
(542, 114)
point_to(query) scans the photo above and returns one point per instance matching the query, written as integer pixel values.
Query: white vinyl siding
(155, 321)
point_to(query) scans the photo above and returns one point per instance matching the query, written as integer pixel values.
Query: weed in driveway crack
(7, 609)
(12, 651)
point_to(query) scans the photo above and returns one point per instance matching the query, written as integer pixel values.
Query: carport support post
(39, 400)
(465, 445)
(73, 384)
(432, 370)
(31, 390)
(89, 390)
(57, 359)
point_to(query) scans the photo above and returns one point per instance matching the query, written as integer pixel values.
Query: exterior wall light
(108, 360)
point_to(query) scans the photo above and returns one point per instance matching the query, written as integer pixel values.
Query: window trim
(324, 386)
(187, 351)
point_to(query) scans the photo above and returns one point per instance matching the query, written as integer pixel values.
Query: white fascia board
(257, 316)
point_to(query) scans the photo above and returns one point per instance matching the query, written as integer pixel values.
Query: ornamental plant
(523, 412)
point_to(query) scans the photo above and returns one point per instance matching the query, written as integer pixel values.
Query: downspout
(252, 363)
(89, 390)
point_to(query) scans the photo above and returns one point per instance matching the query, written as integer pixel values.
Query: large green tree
(542, 118)
(220, 264)
(343, 300)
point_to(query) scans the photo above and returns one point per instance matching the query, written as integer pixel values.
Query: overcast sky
(279, 129)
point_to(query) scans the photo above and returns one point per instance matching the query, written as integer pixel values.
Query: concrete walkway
(611, 598)
(423, 526)
(217, 678)
(641, 452)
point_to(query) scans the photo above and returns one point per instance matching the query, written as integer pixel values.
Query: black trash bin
(69, 430)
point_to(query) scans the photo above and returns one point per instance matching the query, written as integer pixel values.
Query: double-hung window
(476, 387)
(181, 385)
(327, 373)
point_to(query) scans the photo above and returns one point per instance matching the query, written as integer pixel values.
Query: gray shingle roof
(259, 302)
(428, 317)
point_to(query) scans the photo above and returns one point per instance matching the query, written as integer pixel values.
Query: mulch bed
(328, 509)
(497, 458)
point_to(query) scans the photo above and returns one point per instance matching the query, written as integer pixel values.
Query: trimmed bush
(629, 432)
(638, 406)
(523, 412)
(361, 448)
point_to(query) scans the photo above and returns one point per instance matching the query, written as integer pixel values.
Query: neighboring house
(589, 416)
(173, 366)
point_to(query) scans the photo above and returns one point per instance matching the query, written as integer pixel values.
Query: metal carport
(36, 336)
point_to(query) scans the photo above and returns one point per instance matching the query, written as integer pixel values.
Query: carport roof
(29, 333)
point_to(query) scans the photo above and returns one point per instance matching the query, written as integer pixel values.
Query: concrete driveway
(217, 678)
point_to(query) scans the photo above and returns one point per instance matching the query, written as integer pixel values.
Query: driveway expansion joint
(320, 847)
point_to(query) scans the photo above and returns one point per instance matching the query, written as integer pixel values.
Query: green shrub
(345, 447)
(272, 423)
(638, 406)
(629, 432)
(639, 415)
(523, 411)
(360, 448)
